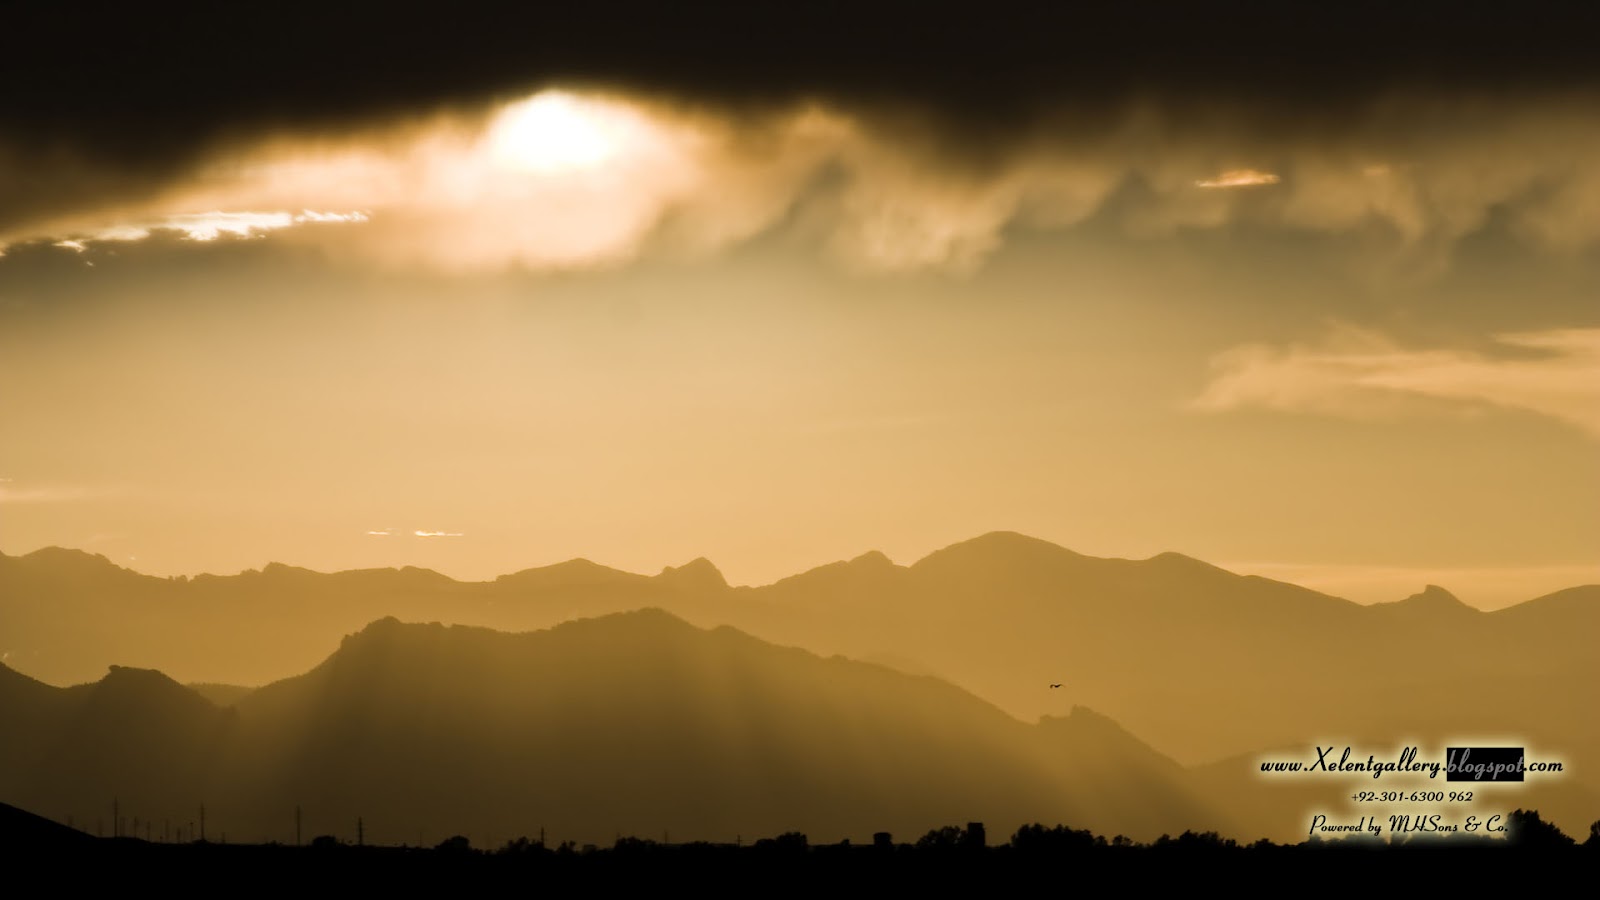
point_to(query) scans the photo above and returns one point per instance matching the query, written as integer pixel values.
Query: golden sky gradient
(592, 324)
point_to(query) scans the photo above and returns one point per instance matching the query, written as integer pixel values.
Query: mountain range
(1202, 662)
(1211, 668)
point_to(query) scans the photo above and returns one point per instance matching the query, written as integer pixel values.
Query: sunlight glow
(556, 132)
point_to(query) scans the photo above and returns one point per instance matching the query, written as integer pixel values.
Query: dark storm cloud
(141, 83)
(959, 120)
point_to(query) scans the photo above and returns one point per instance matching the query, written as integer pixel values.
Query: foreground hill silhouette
(22, 830)
(944, 860)
(634, 723)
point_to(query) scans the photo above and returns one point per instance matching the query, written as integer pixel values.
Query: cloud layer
(564, 179)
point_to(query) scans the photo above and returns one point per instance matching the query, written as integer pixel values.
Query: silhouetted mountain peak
(1180, 562)
(65, 555)
(696, 574)
(572, 573)
(404, 576)
(1083, 728)
(146, 692)
(420, 576)
(378, 631)
(378, 628)
(1004, 549)
(389, 657)
(649, 621)
(867, 569)
(389, 634)
(872, 559)
(1432, 599)
(383, 640)
(130, 678)
(1083, 718)
(62, 562)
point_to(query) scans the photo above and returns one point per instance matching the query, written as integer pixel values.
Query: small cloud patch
(1237, 178)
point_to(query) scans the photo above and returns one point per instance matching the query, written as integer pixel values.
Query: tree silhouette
(946, 838)
(1525, 828)
(788, 842)
(951, 837)
(1036, 838)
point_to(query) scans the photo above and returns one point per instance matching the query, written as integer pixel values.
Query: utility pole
(541, 837)
(202, 823)
(361, 832)
(116, 817)
(297, 824)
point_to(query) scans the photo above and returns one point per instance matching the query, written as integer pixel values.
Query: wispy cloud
(1235, 178)
(204, 227)
(45, 493)
(434, 534)
(384, 533)
(1357, 373)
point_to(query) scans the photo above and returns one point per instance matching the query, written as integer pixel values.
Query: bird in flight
(1055, 685)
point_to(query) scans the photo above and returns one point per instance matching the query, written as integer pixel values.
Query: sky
(1312, 300)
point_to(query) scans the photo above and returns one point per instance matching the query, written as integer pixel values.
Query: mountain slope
(22, 830)
(633, 723)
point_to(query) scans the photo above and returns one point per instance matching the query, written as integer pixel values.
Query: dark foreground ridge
(1533, 848)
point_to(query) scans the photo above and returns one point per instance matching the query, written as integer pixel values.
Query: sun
(555, 132)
